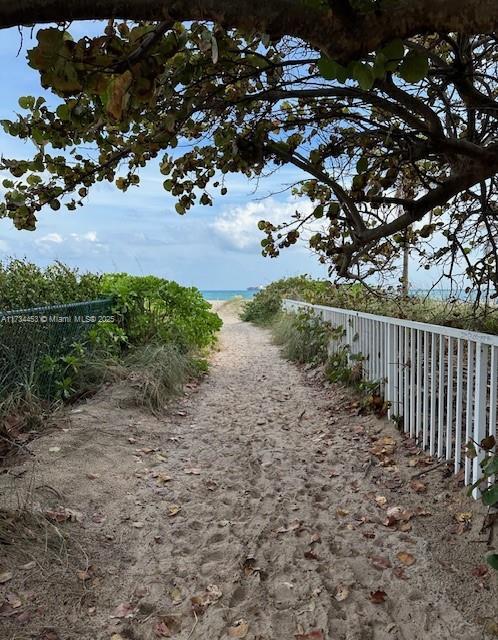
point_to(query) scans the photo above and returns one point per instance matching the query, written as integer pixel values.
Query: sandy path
(279, 513)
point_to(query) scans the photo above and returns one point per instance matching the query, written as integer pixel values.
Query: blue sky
(139, 231)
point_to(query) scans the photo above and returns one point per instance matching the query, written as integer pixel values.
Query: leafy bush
(266, 304)
(303, 336)
(63, 361)
(24, 285)
(152, 308)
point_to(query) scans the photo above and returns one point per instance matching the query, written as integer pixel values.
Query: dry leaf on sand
(342, 591)
(239, 629)
(173, 509)
(377, 597)
(406, 558)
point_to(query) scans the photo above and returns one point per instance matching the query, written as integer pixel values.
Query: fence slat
(458, 405)
(440, 383)
(469, 405)
(449, 400)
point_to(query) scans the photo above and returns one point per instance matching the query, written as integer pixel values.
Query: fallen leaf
(239, 629)
(377, 597)
(161, 478)
(491, 626)
(131, 440)
(200, 602)
(54, 449)
(342, 513)
(311, 635)
(418, 486)
(399, 572)
(342, 591)
(296, 525)
(14, 600)
(315, 538)
(310, 555)
(138, 525)
(173, 509)
(380, 563)
(5, 577)
(49, 634)
(463, 516)
(167, 626)
(123, 610)
(480, 571)
(211, 485)
(92, 476)
(406, 558)
(176, 595)
(86, 574)
(63, 514)
(194, 471)
(381, 501)
(146, 450)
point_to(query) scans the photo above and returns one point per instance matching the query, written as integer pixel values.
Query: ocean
(226, 294)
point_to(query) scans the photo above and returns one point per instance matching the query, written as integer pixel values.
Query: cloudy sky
(139, 231)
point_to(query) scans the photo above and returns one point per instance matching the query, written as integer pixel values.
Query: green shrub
(151, 308)
(24, 285)
(266, 304)
(304, 337)
(62, 361)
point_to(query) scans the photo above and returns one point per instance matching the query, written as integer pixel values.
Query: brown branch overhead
(327, 29)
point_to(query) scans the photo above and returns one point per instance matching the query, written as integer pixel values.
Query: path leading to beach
(255, 507)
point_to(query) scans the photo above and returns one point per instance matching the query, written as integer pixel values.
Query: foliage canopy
(394, 137)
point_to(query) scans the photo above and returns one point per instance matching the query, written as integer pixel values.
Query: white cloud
(89, 236)
(238, 228)
(55, 238)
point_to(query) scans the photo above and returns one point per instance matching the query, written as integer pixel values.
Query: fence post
(391, 368)
(480, 409)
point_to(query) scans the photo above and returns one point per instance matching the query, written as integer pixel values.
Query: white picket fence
(441, 383)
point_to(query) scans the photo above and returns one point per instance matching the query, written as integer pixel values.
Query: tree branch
(325, 28)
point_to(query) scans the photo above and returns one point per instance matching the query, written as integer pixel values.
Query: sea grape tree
(387, 110)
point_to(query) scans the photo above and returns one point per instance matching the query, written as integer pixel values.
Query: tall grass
(158, 373)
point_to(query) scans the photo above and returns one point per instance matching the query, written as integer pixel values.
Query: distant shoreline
(226, 294)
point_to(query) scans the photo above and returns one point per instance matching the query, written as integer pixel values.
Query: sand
(257, 495)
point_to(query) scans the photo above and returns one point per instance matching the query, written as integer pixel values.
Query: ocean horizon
(226, 294)
(247, 294)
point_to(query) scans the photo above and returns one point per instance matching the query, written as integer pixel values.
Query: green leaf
(490, 495)
(334, 209)
(362, 165)
(470, 450)
(488, 443)
(393, 51)
(318, 212)
(363, 74)
(490, 465)
(327, 68)
(26, 102)
(492, 560)
(414, 67)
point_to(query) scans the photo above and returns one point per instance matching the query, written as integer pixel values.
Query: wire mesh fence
(32, 338)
